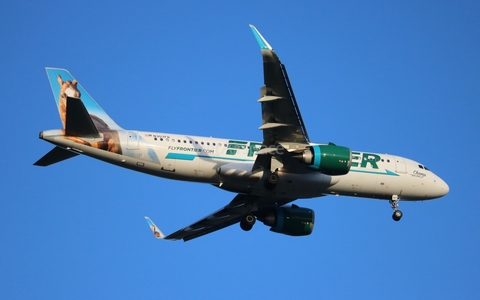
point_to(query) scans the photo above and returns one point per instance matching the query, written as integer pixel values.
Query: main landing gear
(271, 182)
(247, 222)
(397, 215)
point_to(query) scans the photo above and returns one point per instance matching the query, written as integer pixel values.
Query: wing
(282, 122)
(240, 206)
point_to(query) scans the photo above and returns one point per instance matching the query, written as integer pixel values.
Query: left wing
(233, 213)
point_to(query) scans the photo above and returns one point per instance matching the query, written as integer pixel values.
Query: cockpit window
(423, 167)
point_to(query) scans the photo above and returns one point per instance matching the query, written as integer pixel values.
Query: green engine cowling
(289, 220)
(328, 159)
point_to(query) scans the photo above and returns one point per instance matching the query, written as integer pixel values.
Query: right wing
(282, 123)
(281, 118)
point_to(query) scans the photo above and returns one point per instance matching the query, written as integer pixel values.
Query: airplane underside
(266, 176)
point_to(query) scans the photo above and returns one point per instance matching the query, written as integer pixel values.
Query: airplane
(266, 176)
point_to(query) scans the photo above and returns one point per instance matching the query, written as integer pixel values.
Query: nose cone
(439, 189)
(443, 187)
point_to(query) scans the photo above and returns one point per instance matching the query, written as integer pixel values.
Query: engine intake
(289, 220)
(328, 159)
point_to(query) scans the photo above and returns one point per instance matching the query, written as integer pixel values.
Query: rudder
(65, 86)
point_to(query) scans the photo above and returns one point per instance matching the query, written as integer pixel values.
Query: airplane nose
(441, 188)
(444, 187)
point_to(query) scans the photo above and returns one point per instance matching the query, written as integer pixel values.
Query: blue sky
(398, 77)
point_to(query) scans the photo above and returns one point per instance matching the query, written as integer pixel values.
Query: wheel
(397, 215)
(250, 219)
(273, 178)
(271, 181)
(247, 222)
(245, 226)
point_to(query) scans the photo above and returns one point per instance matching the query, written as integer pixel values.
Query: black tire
(245, 226)
(397, 215)
(247, 222)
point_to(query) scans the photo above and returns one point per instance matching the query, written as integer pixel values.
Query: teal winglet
(262, 42)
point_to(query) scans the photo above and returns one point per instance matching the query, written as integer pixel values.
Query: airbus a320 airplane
(266, 176)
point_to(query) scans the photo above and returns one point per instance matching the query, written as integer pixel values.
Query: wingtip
(262, 42)
(155, 230)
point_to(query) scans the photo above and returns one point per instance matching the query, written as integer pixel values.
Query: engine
(289, 220)
(328, 159)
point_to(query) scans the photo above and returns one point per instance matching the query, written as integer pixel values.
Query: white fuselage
(227, 163)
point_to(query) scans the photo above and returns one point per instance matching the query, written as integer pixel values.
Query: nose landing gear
(397, 214)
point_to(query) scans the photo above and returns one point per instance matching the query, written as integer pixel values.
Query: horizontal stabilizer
(79, 122)
(156, 232)
(57, 154)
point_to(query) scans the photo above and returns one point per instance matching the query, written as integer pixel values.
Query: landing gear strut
(397, 214)
(247, 222)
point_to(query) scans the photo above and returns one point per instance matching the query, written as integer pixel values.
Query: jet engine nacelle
(289, 220)
(328, 159)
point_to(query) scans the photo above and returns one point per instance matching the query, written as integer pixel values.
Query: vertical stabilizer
(64, 86)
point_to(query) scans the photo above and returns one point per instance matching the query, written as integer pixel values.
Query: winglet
(156, 232)
(262, 42)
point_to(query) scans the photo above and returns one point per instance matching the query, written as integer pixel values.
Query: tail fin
(86, 119)
(64, 87)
